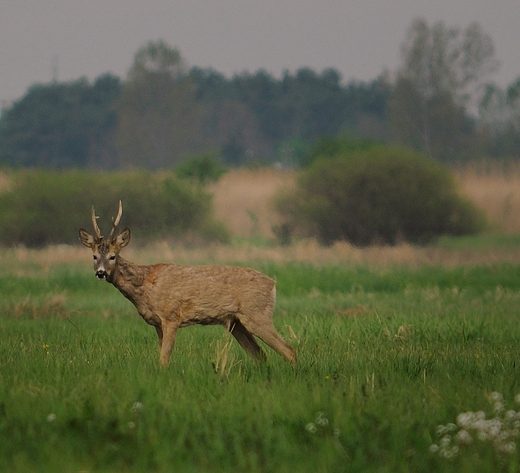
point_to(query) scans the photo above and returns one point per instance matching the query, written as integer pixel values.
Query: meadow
(407, 358)
(386, 355)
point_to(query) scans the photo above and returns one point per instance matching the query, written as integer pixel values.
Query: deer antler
(115, 222)
(97, 231)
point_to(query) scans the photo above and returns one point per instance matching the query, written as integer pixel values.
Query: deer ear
(86, 238)
(123, 238)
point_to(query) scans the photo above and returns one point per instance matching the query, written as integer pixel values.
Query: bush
(380, 195)
(44, 207)
(202, 169)
(331, 147)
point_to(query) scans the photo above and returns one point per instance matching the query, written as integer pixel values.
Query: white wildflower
(496, 396)
(311, 427)
(464, 437)
(321, 419)
(441, 430)
(446, 454)
(501, 431)
(494, 427)
(508, 447)
(466, 419)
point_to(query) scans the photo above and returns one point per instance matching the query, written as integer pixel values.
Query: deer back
(199, 294)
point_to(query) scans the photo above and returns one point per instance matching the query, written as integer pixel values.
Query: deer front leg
(168, 330)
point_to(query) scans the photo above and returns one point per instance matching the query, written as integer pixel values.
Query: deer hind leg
(158, 329)
(247, 341)
(167, 341)
(267, 333)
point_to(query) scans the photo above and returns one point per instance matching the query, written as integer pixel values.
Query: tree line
(438, 102)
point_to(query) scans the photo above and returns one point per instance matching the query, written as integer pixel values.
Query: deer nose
(101, 274)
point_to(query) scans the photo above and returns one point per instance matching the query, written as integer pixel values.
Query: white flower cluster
(501, 431)
(137, 409)
(321, 425)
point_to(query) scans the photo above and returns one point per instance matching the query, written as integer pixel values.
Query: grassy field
(390, 352)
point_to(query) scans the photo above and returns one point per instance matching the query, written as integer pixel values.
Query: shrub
(331, 147)
(380, 195)
(203, 169)
(45, 207)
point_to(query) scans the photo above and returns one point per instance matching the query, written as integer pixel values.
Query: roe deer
(171, 296)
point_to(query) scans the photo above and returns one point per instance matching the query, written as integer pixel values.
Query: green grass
(384, 357)
(480, 242)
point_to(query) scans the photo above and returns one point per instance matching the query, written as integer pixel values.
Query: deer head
(105, 250)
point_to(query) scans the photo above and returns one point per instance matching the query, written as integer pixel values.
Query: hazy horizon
(55, 39)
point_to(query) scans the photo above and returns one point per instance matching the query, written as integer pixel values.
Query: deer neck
(128, 277)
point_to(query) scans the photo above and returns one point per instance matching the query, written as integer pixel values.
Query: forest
(439, 102)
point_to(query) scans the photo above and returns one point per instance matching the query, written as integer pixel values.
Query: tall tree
(440, 59)
(500, 118)
(438, 85)
(158, 115)
(62, 125)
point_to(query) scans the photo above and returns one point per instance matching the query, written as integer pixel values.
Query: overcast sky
(69, 39)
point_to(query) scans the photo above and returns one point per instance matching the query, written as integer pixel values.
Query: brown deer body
(171, 296)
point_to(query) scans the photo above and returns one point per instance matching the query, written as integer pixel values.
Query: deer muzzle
(101, 274)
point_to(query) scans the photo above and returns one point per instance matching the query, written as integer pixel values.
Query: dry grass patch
(497, 192)
(309, 251)
(5, 181)
(243, 197)
(35, 262)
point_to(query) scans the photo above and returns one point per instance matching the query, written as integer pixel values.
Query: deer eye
(112, 258)
(95, 257)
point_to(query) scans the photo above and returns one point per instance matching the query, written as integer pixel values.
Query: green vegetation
(377, 194)
(387, 361)
(44, 207)
(201, 169)
(479, 242)
(343, 146)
